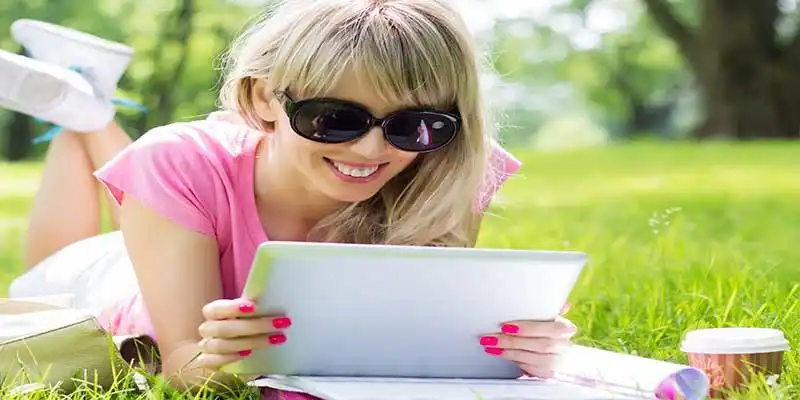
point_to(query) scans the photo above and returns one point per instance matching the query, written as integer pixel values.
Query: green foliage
(630, 69)
(605, 59)
(680, 236)
(146, 26)
(569, 132)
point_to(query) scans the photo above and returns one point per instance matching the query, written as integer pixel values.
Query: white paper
(65, 300)
(14, 326)
(331, 388)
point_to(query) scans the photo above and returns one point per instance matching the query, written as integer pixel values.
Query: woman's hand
(228, 338)
(534, 346)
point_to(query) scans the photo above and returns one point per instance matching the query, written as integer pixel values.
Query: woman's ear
(263, 103)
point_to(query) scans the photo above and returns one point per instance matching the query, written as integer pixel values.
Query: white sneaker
(51, 93)
(102, 60)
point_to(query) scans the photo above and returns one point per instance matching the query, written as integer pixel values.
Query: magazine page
(584, 373)
(342, 388)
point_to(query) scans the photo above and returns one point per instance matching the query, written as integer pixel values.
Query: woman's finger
(540, 361)
(217, 361)
(536, 371)
(560, 327)
(240, 346)
(541, 345)
(228, 309)
(235, 328)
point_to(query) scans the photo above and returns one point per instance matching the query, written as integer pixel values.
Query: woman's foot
(51, 93)
(102, 61)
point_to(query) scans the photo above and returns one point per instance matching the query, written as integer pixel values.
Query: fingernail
(510, 329)
(495, 351)
(489, 341)
(247, 307)
(281, 323)
(277, 338)
(245, 353)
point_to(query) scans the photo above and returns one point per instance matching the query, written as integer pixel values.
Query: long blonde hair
(412, 52)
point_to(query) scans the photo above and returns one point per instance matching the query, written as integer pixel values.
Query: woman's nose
(372, 145)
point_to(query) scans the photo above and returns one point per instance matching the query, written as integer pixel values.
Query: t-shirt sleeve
(502, 165)
(168, 170)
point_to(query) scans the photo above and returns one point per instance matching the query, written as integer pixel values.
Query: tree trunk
(744, 107)
(738, 64)
(159, 91)
(749, 83)
(18, 137)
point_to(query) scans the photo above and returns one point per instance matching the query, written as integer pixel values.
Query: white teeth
(355, 172)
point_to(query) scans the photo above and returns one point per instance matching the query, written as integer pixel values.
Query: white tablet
(399, 311)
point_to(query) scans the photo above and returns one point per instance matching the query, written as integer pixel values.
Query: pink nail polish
(245, 353)
(281, 323)
(510, 329)
(493, 351)
(247, 308)
(277, 338)
(489, 341)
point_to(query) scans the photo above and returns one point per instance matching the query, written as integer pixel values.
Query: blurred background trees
(568, 72)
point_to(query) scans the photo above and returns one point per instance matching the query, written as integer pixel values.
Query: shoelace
(54, 130)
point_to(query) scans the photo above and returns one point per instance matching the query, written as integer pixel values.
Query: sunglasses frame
(291, 108)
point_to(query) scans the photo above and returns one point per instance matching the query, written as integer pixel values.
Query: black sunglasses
(327, 120)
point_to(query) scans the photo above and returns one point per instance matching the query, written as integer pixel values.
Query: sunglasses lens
(330, 122)
(421, 131)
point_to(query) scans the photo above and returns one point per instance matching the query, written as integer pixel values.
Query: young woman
(355, 121)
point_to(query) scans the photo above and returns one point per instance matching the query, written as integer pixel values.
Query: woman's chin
(346, 196)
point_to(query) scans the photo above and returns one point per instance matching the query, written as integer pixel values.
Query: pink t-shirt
(200, 175)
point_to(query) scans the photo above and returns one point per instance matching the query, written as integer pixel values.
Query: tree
(173, 73)
(169, 56)
(628, 75)
(747, 72)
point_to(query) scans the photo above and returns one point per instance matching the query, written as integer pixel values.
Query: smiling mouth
(360, 172)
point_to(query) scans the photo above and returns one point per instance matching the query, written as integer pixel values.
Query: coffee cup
(731, 357)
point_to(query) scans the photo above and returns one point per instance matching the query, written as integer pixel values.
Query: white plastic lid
(734, 341)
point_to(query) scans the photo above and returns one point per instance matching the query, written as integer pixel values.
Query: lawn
(680, 236)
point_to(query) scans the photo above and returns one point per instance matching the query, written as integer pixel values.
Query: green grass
(680, 236)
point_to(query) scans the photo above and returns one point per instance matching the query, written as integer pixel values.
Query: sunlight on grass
(680, 237)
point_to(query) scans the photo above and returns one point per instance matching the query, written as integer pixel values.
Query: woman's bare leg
(101, 147)
(68, 81)
(66, 208)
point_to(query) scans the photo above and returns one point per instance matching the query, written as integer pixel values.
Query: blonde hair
(413, 52)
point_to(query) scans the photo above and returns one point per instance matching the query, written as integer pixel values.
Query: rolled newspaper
(631, 375)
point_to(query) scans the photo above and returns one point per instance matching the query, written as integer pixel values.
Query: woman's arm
(178, 272)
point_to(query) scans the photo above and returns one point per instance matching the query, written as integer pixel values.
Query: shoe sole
(18, 28)
(51, 93)
(14, 70)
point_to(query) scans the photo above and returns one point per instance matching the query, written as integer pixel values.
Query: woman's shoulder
(183, 170)
(218, 139)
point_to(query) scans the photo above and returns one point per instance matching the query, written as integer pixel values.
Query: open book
(585, 373)
(45, 341)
